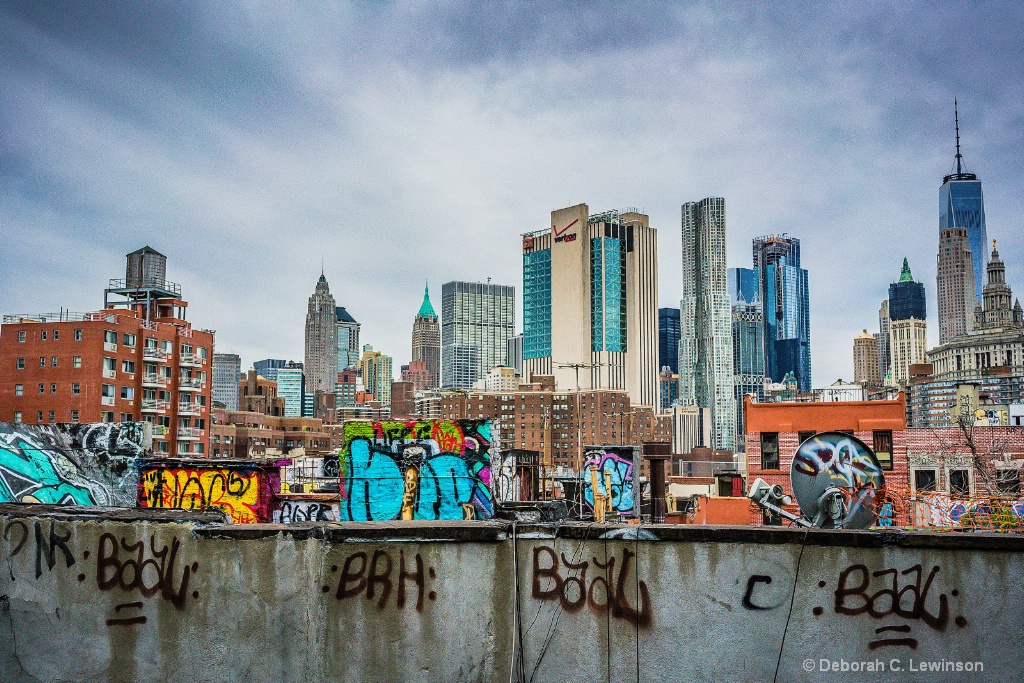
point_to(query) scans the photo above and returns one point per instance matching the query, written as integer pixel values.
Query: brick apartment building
(913, 460)
(247, 435)
(136, 360)
(559, 424)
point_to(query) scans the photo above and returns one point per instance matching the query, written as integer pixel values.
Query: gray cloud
(413, 141)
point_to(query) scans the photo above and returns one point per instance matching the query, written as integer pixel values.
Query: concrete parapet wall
(92, 594)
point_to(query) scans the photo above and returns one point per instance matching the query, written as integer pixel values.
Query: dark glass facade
(907, 300)
(962, 205)
(783, 291)
(668, 338)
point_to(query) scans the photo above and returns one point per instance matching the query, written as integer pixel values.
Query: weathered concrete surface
(181, 596)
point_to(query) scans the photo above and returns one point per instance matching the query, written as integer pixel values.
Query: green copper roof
(905, 276)
(426, 310)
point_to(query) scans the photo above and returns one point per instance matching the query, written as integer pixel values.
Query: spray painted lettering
(606, 592)
(416, 470)
(289, 511)
(855, 595)
(379, 575)
(236, 490)
(612, 469)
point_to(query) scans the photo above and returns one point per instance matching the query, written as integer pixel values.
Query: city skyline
(107, 147)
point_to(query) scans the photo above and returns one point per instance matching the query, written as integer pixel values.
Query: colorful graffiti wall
(613, 467)
(244, 491)
(416, 470)
(71, 464)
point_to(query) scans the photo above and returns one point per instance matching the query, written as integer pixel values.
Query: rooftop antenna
(956, 119)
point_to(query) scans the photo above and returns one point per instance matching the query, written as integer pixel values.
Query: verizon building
(590, 302)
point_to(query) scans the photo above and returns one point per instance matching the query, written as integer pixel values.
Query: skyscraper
(962, 205)
(783, 289)
(291, 386)
(227, 373)
(955, 284)
(426, 341)
(268, 367)
(590, 311)
(377, 374)
(747, 356)
(884, 347)
(668, 339)
(865, 360)
(321, 364)
(477, 321)
(908, 331)
(705, 345)
(347, 330)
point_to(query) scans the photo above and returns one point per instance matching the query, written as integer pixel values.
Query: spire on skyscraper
(426, 309)
(956, 120)
(905, 276)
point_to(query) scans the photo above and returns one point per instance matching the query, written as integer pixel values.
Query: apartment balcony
(189, 384)
(153, 380)
(189, 434)
(190, 360)
(152, 353)
(155, 406)
(189, 408)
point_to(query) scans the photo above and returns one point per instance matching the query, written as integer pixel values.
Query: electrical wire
(792, 595)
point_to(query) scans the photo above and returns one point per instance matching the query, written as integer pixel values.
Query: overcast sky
(410, 142)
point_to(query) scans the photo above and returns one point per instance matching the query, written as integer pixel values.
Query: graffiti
(612, 468)
(831, 462)
(517, 476)
(70, 464)
(237, 491)
(416, 470)
(146, 569)
(149, 571)
(751, 582)
(855, 595)
(289, 511)
(605, 593)
(379, 575)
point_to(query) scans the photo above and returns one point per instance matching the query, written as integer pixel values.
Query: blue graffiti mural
(87, 464)
(614, 470)
(416, 470)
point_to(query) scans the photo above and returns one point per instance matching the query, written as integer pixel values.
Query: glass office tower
(962, 205)
(668, 338)
(783, 290)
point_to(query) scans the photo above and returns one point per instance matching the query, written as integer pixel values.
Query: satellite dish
(835, 478)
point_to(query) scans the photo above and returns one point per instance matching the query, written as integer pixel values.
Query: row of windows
(127, 339)
(770, 447)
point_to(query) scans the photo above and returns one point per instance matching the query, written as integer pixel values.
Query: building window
(19, 389)
(769, 451)
(128, 366)
(42, 335)
(17, 416)
(107, 391)
(53, 362)
(960, 482)
(76, 361)
(53, 416)
(20, 364)
(42, 388)
(42, 362)
(110, 340)
(39, 416)
(76, 388)
(53, 388)
(78, 334)
(128, 340)
(74, 416)
(55, 335)
(128, 393)
(127, 417)
(803, 436)
(883, 448)
(1009, 481)
(106, 416)
(21, 336)
(924, 480)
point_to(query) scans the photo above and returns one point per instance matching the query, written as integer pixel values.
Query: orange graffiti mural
(236, 491)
